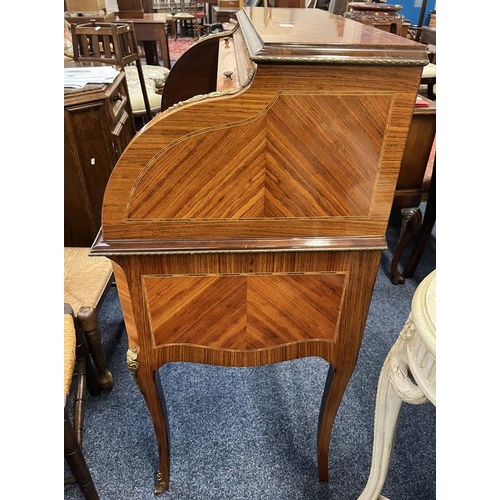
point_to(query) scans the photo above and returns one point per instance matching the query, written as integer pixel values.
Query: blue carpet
(250, 433)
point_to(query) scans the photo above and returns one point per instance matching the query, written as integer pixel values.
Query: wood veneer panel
(270, 167)
(334, 174)
(249, 223)
(158, 158)
(155, 298)
(245, 311)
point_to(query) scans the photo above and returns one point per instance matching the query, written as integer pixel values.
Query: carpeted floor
(250, 433)
(179, 46)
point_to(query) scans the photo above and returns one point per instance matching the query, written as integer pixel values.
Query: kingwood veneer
(246, 225)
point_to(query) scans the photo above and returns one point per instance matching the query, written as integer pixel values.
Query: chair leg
(88, 322)
(430, 90)
(411, 223)
(149, 114)
(76, 461)
(426, 229)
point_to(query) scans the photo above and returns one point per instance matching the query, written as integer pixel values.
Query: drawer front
(118, 101)
(121, 119)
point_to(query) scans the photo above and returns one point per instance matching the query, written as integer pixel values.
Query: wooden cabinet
(98, 125)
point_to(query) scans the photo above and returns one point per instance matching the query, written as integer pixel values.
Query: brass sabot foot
(161, 485)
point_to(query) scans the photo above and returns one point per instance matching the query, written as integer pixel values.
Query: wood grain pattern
(103, 116)
(243, 311)
(246, 227)
(173, 152)
(156, 292)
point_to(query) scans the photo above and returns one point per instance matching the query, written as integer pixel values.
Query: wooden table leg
(417, 231)
(151, 52)
(76, 461)
(411, 222)
(335, 386)
(165, 51)
(148, 381)
(87, 318)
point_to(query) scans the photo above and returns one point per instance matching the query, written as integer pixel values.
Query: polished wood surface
(246, 223)
(76, 18)
(411, 188)
(222, 14)
(382, 15)
(98, 125)
(421, 135)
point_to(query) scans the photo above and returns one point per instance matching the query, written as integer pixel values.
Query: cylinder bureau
(245, 224)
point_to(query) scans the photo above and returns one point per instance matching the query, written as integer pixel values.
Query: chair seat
(158, 74)
(429, 71)
(85, 278)
(154, 78)
(69, 352)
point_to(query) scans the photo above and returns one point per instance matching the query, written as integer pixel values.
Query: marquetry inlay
(246, 223)
(245, 311)
(266, 158)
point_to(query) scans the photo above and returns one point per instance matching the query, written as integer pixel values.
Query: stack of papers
(420, 103)
(77, 78)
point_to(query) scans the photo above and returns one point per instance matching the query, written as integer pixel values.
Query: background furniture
(190, 14)
(83, 11)
(150, 30)
(241, 238)
(412, 185)
(223, 14)
(417, 232)
(429, 73)
(86, 282)
(103, 116)
(111, 43)
(409, 375)
(130, 8)
(76, 354)
(383, 16)
(75, 18)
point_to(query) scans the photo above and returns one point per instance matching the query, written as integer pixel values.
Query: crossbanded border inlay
(244, 312)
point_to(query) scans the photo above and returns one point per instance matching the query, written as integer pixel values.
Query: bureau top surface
(312, 34)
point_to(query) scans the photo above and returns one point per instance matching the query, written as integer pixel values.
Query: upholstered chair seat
(155, 78)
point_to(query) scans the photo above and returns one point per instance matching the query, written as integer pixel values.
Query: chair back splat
(110, 43)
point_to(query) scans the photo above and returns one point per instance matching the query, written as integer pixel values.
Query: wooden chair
(86, 281)
(429, 73)
(192, 13)
(168, 7)
(111, 43)
(77, 356)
